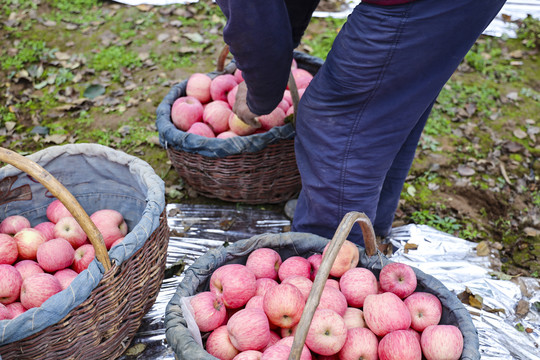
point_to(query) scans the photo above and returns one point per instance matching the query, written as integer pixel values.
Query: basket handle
(61, 193)
(322, 274)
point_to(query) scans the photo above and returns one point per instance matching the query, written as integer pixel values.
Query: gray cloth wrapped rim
(170, 136)
(289, 244)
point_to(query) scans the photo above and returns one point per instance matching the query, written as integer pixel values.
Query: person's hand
(241, 108)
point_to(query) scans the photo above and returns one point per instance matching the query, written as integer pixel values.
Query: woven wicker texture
(102, 326)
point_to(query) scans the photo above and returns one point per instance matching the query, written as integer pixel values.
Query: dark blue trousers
(360, 120)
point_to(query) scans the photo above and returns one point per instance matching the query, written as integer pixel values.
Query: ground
(95, 71)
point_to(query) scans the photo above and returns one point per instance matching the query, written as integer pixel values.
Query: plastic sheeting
(195, 229)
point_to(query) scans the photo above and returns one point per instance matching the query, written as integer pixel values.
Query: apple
(69, 229)
(294, 64)
(239, 127)
(315, 260)
(55, 254)
(288, 331)
(82, 257)
(231, 96)
(15, 309)
(47, 229)
(356, 284)
(284, 105)
(208, 311)
(221, 85)
(234, 283)
(65, 277)
(117, 241)
(226, 135)
(275, 118)
(327, 332)
(399, 345)
(332, 298)
(201, 129)
(111, 225)
(288, 97)
(36, 289)
(425, 309)
(294, 265)
(442, 342)
(28, 241)
(186, 111)
(288, 341)
(333, 283)
(5, 314)
(361, 343)
(13, 224)
(264, 262)
(274, 338)
(283, 304)
(398, 278)
(414, 332)
(216, 116)
(302, 77)
(10, 284)
(8, 249)
(249, 329)
(238, 76)
(354, 317)
(28, 268)
(263, 284)
(386, 312)
(219, 344)
(249, 355)
(198, 86)
(282, 352)
(347, 258)
(289, 111)
(255, 302)
(301, 282)
(56, 210)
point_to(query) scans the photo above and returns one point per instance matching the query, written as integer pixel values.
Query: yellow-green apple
(47, 229)
(65, 276)
(347, 258)
(239, 127)
(202, 129)
(425, 309)
(56, 210)
(327, 332)
(226, 134)
(399, 345)
(13, 224)
(315, 260)
(216, 115)
(36, 289)
(198, 86)
(386, 312)
(398, 278)
(221, 85)
(288, 341)
(208, 311)
(264, 262)
(231, 96)
(249, 355)
(361, 343)
(263, 284)
(235, 284)
(28, 241)
(238, 76)
(332, 298)
(354, 317)
(10, 284)
(301, 282)
(356, 284)
(249, 329)
(302, 77)
(275, 118)
(283, 304)
(5, 314)
(111, 225)
(82, 257)
(442, 342)
(28, 268)
(69, 229)
(55, 254)
(15, 309)
(8, 249)
(186, 111)
(294, 265)
(219, 345)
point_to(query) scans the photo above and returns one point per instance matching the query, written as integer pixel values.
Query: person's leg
(365, 105)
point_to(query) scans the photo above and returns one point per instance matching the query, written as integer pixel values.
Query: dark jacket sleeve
(262, 36)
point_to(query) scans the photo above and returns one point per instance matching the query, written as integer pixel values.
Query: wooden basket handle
(61, 193)
(324, 270)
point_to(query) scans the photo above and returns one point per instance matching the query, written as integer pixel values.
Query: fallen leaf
(195, 37)
(465, 170)
(56, 139)
(135, 349)
(520, 134)
(94, 91)
(482, 249)
(476, 301)
(410, 246)
(61, 55)
(10, 125)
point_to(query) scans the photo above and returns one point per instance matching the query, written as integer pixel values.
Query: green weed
(445, 224)
(529, 32)
(321, 43)
(28, 51)
(113, 59)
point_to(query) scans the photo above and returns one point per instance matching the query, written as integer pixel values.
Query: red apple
(55, 254)
(284, 105)
(294, 265)
(221, 85)
(226, 135)
(301, 282)
(65, 277)
(8, 249)
(36, 289)
(333, 283)
(288, 331)
(361, 343)
(442, 342)
(302, 77)
(111, 224)
(356, 284)
(201, 129)
(275, 118)
(219, 345)
(289, 111)
(186, 111)
(28, 268)
(283, 304)
(208, 311)
(255, 302)
(117, 241)
(5, 314)
(249, 329)
(239, 127)
(288, 341)
(327, 332)
(425, 309)
(346, 259)
(263, 284)
(231, 96)
(69, 229)
(56, 210)
(13, 224)
(315, 260)
(398, 278)
(399, 345)
(15, 309)
(354, 317)
(198, 86)
(216, 116)
(264, 262)
(332, 298)
(281, 351)
(234, 283)
(82, 257)
(238, 76)
(386, 312)
(249, 355)
(47, 229)
(28, 241)
(10, 284)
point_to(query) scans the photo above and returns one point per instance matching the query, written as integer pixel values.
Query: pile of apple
(252, 311)
(38, 262)
(206, 109)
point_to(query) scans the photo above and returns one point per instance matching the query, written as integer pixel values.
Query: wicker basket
(266, 175)
(102, 325)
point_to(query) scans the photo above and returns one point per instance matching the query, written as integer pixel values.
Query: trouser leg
(362, 115)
